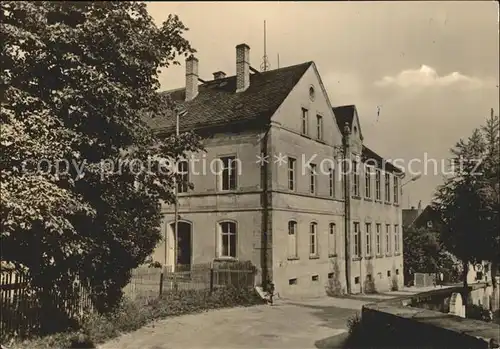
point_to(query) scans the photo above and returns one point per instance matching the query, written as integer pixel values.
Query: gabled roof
(346, 114)
(217, 102)
(369, 155)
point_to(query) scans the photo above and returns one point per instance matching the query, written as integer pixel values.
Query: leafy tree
(468, 200)
(79, 80)
(425, 253)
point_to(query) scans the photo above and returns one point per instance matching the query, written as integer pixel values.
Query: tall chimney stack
(191, 78)
(242, 67)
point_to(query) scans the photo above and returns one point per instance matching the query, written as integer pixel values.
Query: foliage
(354, 324)
(334, 287)
(424, 252)
(477, 312)
(468, 201)
(78, 81)
(131, 315)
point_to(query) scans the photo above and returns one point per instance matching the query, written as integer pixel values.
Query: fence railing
(22, 313)
(152, 282)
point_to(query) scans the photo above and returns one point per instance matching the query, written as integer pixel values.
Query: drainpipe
(347, 206)
(265, 205)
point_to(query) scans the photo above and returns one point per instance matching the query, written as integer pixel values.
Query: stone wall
(420, 321)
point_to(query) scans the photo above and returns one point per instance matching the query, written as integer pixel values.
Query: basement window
(330, 275)
(388, 273)
(397, 271)
(315, 278)
(356, 280)
(292, 281)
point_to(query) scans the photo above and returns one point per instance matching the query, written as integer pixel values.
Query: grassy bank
(132, 315)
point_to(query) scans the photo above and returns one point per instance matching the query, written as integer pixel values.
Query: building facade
(270, 186)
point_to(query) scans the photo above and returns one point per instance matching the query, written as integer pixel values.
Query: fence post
(211, 279)
(161, 279)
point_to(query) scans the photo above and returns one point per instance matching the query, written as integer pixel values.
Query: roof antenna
(265, 62)
(278, 60)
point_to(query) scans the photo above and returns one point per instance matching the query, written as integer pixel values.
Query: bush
(477, 312)
(132, 315)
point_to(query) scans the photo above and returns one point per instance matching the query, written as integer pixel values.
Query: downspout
(265, 206)
(347, 206)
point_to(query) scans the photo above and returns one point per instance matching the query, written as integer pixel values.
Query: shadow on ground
(333, 317)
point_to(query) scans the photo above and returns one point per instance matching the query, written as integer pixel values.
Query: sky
(422, 75)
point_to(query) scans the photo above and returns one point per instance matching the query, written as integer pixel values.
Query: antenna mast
(265, 62)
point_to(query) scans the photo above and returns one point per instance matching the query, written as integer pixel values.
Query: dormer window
(355, 130)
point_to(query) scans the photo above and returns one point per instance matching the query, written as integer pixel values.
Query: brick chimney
(242, 67)
(191, 78)
(219, 75)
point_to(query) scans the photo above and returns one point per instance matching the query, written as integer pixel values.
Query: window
(387, 238)
(378, 240)
(292, 281)
(292, 239)
(395, 189)
(228, 239)
(355, 182)
(182, 169)
(332, 182)
(388, 273)
(312, 179)
(332, 236)
(291, 173)
(330, 275)
(311, 93)
(368, 231)
(377, 185)
(357, 242)
(229, 172)
(429, 224)
(396, 238)
(387, 187)
(304, 121)
(368, 182)
(356, 280)
(313, 239)
(319, 127)
(397, 271)
(315, 277)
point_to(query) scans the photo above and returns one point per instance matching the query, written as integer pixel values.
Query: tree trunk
(495, 296)
(466, 285)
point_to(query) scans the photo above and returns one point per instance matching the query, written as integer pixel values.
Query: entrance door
(183, 246)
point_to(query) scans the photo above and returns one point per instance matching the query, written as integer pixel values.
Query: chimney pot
(191, 78)
(219, 75)
(242, 67)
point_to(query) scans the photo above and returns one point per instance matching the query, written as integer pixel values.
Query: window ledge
(396, 204)
(357, 197)
(231, 191)
(355, 259)
(368, 257)
(330, 255)
(293, 258)
(315, 256)
(397, 254)
(387, 203)
(368, 199)
(378, 201)
(379, 256)
(226, 259)
(388, 254)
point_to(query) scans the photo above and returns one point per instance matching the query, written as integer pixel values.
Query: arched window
(292, 239)
(313, 239)
(228, 238)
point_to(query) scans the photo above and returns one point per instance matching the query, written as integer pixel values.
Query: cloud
(427, 76)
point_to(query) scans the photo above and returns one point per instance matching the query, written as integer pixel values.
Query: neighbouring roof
(368, 154)
(217, 102)
(409, 216)
(344, 115)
